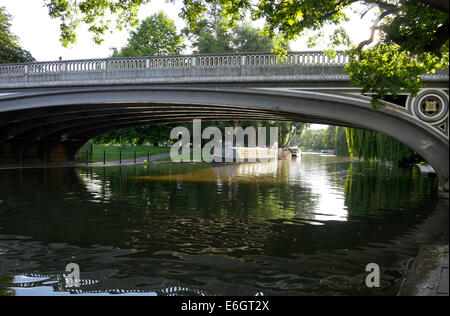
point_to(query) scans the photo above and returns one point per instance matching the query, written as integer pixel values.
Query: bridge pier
(71, 148)
(42, 151)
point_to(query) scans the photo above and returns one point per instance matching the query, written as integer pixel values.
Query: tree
(152, 134)
(10, 50)
(249, 40)
(94, 13)
(313, 140)
(213, 36)
(376, 146)
(210, 37)
(287, 130)
(341, 142)
(329, 139)
(413, 33)
(156, 35)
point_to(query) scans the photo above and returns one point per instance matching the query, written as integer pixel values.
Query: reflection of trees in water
(227, 232)
(223, 220)
(372, 187)
(256, 191)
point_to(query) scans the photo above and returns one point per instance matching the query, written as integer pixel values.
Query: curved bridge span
(48, 110)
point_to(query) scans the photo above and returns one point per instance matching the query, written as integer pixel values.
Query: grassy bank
(113, 153)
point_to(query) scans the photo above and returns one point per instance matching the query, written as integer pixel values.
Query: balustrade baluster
(169, 63)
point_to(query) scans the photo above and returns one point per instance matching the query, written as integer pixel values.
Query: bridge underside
(52, 125)
(57, 134)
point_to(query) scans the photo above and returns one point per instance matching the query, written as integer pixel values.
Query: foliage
(350, 145)
(413, 42)
(312, 140)
(286, 131)
(156, 35)
(286, 18)
(371, 145)
(10, 50)
(316, 140)
(96, 14)
(139, 135)
(384, 69)
(341, 142)
(329, 140)
(213, 36)
(358, 143)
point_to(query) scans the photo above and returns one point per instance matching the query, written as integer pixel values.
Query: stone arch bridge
(48, 110)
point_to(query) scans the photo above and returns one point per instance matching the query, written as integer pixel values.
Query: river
(302, 227)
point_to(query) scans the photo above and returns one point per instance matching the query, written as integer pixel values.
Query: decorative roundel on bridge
(430, 106)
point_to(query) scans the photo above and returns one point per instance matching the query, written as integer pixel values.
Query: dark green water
(306, 227)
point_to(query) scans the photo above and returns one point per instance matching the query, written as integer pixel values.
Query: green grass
(113, 152)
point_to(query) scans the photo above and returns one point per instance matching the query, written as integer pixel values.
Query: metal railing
(122, 156)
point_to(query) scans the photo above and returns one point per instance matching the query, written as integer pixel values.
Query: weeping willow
(341, 142)
(375, 146)
(350, 146)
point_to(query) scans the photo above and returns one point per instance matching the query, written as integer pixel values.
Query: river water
(303, 227)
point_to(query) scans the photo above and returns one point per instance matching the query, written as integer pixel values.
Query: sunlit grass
(113, 152)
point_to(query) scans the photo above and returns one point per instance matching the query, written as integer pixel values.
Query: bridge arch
(73, 115)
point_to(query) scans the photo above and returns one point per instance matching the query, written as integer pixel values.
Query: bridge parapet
(174, 69)
(257, 67)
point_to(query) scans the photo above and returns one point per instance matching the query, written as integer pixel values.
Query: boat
(241, 154)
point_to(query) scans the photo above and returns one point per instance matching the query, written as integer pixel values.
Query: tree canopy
(10, 50)
(156, 35)
(376, 146)
(415, 25)
(357, 143)
(212, 35)
(97, 14)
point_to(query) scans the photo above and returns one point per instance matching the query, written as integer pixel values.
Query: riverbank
(99, 153)
(428, 275)
(154, 159)
(428, 272)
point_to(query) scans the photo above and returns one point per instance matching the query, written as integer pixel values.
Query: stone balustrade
(295, 66)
